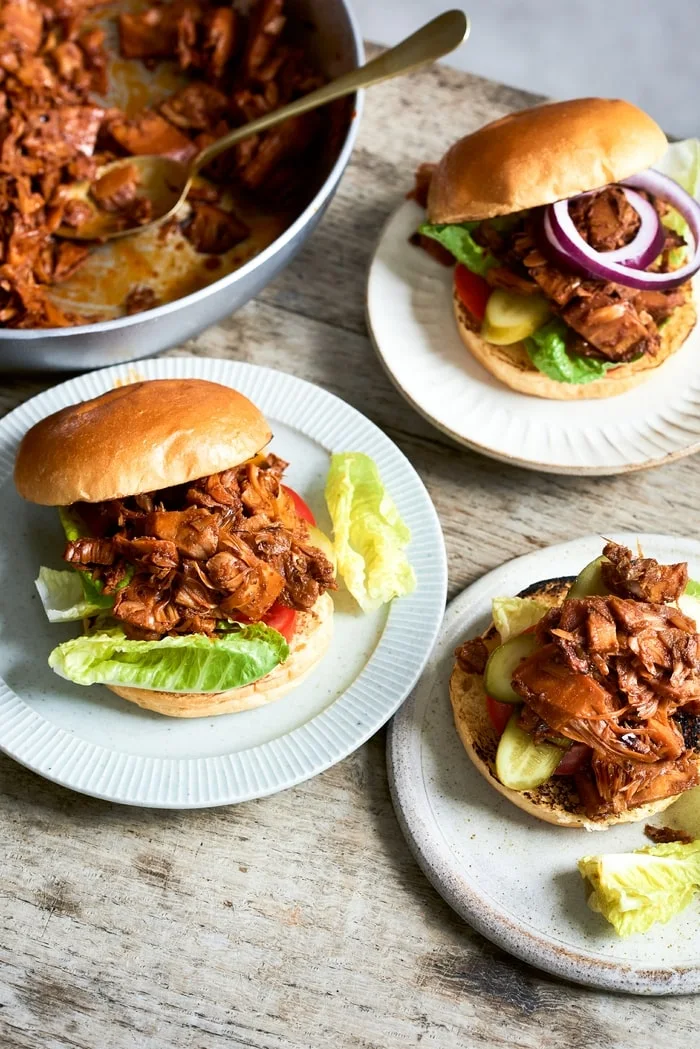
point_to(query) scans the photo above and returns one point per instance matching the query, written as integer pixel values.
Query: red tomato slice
(302, 508)
(499, 713)
(575, 757)
(472, 290)
(281, 619)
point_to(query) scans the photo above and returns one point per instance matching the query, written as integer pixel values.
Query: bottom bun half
(556, 801)
(511, 365)
(311, 639)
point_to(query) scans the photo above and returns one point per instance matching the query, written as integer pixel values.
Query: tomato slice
(499, 714)
(302, 508)
(281, 619)
(575, 757)
(473, 291)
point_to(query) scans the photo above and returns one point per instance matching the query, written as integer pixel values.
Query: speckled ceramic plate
(410, 318)
(510, 875)
(94, 742)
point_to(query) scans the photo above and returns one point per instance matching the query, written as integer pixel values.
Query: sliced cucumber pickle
(511, 317)
(589, 581)
(522, 764)
(502, 664)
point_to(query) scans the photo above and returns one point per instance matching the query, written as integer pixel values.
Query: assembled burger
(574, 256)
(200, 578)
(581, 702)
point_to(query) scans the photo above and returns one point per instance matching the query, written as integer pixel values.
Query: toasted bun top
(138, 438)
(541, 155)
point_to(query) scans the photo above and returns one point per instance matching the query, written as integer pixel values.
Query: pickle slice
(522, 764)
(511, 317)
(502, 664)
(589, 581)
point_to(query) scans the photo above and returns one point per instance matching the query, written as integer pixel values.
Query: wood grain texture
(301, 921)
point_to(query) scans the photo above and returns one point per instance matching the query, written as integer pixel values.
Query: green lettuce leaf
(369, 536)
(68, 595)
(74, 528)
(689, 601)
(547, 350)
(72, 524)
(459, 241)
(681, 162)
(191, 663)
(513, 615)
(634, 890)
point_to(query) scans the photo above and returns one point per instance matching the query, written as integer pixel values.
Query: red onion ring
(573, 251)
(647, 242)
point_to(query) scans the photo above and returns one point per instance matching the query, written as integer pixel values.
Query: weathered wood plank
(301, 921)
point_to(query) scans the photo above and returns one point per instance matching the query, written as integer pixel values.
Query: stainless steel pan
(339, 48)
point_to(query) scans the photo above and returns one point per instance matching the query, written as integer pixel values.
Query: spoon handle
(437, 38)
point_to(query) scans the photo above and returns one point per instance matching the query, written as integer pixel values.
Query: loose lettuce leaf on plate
(369, 536)
(68, 595)
(459, 242)
(190, 663)
(634, 890)
(513, 615)
(547, 350)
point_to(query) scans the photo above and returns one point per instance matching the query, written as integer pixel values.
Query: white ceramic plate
(512, 876)
(90, 740)
(410, 318)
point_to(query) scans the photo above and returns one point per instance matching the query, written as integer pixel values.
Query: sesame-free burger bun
(312, 637)
(541, 155)
(138, 438)
(512, 366)
(556, 801)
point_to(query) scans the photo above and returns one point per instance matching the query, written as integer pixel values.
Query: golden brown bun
(308, 646)
(138, 438)
(541, 155)
(556, 801)
(511, 365)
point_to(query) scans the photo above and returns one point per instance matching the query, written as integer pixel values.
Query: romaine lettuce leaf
(68, 595)
(513, 615)
(681, 162)
(369, 536)
(71, 523)
(689, 601)
(547, 350)
(459, 241)
(191, 663)
(634, 890)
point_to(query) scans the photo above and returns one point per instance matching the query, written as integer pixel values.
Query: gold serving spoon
(167, 182)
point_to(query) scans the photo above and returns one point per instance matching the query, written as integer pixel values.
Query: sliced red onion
(574, 251)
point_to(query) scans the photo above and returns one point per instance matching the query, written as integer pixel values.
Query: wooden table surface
(301, 921)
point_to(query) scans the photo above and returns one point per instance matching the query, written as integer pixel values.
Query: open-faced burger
(581, 702)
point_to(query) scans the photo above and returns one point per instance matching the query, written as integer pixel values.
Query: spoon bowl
(162, 181)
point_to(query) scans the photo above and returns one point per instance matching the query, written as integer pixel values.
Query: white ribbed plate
(90, 740)
(512, 876)
(409, 314)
